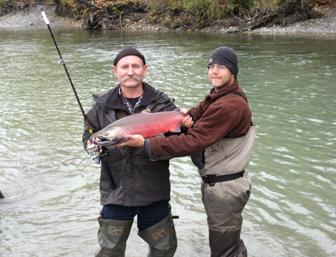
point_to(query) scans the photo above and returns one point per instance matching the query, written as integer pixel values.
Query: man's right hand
(133, 141)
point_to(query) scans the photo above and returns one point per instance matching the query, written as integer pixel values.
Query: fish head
(108, 137)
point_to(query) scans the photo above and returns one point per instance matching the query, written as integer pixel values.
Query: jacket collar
(232, 88)
(112, 99)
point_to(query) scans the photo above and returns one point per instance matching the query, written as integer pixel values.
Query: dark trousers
(146, 215)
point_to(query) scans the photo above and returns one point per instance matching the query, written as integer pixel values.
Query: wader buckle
(210, 179)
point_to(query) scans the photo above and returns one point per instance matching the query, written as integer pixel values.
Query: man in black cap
(130, 184)
(220, 142)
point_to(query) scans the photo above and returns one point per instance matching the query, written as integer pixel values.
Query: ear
(233, 78)
(145, 68)
(114, 69)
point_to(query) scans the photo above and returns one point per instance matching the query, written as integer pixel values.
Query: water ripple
(51, 186)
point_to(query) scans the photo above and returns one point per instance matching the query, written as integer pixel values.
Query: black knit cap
(127, 52)
(225, 56)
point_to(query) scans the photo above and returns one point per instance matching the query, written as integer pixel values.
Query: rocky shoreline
(324, 26)
(30, 18)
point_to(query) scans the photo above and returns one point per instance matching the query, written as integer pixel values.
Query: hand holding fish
(187, 121)
(133, 141)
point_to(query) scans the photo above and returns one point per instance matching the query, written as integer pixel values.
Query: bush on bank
(177, 14)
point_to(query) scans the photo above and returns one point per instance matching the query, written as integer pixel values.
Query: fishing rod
(86, 119)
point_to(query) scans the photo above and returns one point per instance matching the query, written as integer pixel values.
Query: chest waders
(225, 191)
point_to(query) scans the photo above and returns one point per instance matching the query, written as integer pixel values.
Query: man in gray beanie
(225, 56)
(220, 142)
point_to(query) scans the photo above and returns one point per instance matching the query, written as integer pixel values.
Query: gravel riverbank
(32, 19)
(325, 26)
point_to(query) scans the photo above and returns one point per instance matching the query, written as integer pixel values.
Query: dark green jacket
(128, 177)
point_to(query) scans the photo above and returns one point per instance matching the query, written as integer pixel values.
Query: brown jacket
(222, 114)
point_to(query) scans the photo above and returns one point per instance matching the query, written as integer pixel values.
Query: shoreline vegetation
(223, 16)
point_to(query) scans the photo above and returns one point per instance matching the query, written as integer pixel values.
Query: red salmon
(145, 124)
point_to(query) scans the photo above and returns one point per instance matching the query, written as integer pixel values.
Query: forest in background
(190, 15)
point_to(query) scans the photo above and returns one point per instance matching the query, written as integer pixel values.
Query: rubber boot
(112, 237)
(226, 244)
(161, 238)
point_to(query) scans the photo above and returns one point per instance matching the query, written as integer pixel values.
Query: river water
(51, 185)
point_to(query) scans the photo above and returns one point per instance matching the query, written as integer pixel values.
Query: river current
(51, 185)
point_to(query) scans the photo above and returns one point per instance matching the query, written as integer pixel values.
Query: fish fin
(176, 130)
(177, 110)
(161, 135)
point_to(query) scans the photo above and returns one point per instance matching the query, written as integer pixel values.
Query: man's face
(130, 71)
(219, 75)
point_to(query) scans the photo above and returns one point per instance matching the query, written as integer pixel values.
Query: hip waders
(113, 234)
(161, 238)
(224, 203)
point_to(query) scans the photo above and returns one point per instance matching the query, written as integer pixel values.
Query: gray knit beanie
(225, 56)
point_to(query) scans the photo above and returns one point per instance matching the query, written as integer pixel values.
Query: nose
(130, 71)
(213, 69)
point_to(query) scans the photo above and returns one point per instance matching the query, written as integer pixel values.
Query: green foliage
(198, 7)
(157, 5)
(272, 4)
(201, 8)
(242, 4)
(175, 5)
(68, 2)
(217, 9)
(2, 3)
